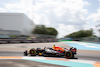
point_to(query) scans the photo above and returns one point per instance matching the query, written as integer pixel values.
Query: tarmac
(17, 49)
(24, 63)
(26, 46)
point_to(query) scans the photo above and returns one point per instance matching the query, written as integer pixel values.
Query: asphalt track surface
(78, 56)
(17, 50)
(25, 63)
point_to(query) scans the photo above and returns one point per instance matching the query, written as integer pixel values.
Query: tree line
(81, 33)
(41, 29)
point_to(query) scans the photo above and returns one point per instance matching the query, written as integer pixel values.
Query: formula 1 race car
(55, 51)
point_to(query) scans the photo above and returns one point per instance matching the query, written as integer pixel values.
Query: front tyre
(32, 52)
(69, 54)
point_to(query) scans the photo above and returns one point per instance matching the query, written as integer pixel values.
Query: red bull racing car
(55, 51)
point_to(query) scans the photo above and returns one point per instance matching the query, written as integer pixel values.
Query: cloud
(66, 29)
(94, 20)
(64, 15)
(22, 6)
(95, 16)
(65, 12)
(2, 10)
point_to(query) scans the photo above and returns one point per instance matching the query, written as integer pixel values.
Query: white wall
(16, 21)
(9, 21)
(9, 32)
(28, 26)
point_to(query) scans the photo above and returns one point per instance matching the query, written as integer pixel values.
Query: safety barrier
(4, 41)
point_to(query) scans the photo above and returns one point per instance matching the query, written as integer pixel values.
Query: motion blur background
(18, 18)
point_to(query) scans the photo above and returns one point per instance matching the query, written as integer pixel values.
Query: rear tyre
(32, 52)
(69, 55)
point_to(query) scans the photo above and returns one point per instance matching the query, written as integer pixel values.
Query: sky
(66, 16)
